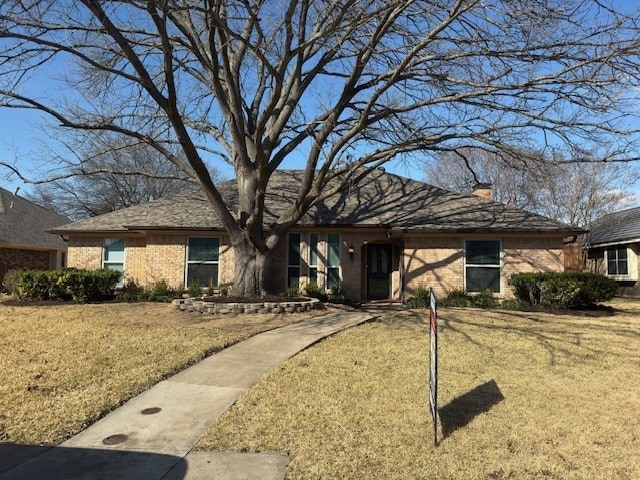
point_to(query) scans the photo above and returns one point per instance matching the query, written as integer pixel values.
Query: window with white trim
(293, 261)
(617, 261)
(113, 256)
(203, 261)
(482, 265)
(313, 258)
(333, 261)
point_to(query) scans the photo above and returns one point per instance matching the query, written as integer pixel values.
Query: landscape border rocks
(203, 306)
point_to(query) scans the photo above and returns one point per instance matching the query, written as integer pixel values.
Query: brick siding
(11, 258)
(149, 259)
(430, 261)
(438, 262)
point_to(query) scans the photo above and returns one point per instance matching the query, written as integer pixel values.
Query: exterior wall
(11, 258)
(531, 254)
(85, 252)
(429, 261)
(149, 259)
(597, 263)
(435, 262)
(438, 262)
(573, 256)
(352, 277)
(135, 259)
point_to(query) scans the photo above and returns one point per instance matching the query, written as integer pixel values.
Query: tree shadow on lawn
(558, 335)
(463, 409)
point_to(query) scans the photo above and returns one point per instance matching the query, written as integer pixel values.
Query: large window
(293, 261)
(313, 258)
(617, 261)
(203, 261)
(113, 256)
(333, 261)
(482, 265)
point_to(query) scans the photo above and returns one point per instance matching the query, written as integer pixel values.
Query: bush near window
(563, 289)
(68, 284)
(312, 290)
(158, 292)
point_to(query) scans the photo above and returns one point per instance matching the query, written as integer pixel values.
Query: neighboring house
(24, 240)
(613, 248)
(381, 239)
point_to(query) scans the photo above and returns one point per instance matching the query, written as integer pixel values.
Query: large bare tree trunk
(251, 270)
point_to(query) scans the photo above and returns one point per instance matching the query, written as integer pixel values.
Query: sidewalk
(151, 436)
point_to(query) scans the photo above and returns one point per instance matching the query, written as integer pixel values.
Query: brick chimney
(484, 190)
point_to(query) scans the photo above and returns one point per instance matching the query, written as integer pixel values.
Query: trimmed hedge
(69, 284)
(563, 289)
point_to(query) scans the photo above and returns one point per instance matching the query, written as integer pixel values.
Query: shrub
(78, 285)
(130, 292)
(193, 289)
(514, 304)
(421, 298)
(485, 299)
(292, 292)
(161, 292)
(312, 290)
(90, 286)
(563, 289)
(211, 289)
(457, 298)
(11, 281)
(337, 295)
(161, 289)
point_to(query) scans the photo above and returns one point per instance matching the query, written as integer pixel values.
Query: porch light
(351, 251)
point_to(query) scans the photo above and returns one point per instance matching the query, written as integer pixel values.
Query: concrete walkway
(151, 436)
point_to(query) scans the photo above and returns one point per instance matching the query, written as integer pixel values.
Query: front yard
(63, 366)
(522, 396)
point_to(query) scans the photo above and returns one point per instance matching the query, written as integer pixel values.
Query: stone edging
(204, 306)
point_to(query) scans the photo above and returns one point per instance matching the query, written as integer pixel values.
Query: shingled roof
(617, 227)
(25, 224)
(382, 199)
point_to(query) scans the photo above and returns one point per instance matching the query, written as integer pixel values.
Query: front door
(378, 271)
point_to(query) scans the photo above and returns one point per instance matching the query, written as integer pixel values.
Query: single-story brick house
(24, 240)
(381, 239)
(613, 248)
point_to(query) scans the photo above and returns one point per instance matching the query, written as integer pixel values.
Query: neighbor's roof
(23, 223)
(616, 227)
(382, 199)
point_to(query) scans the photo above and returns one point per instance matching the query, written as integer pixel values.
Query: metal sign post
(433, 363)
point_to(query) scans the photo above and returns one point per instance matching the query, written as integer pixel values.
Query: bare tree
(342, 85)
(573, 192)
(106, 173)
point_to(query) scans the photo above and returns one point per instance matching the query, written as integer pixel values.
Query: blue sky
(22, 134)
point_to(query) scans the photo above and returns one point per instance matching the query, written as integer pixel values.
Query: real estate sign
(433, 363)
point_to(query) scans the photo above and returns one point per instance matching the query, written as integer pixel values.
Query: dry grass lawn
(63, 366)
(522, 396)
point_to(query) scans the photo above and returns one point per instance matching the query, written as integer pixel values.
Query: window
(617, 261)
(482, 265)
(113, 256)
(203, 261)
(333, 261)
(293, 261)
(313, 258)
